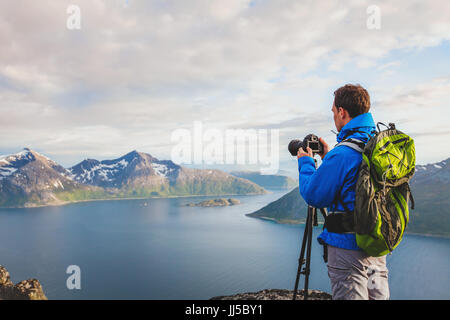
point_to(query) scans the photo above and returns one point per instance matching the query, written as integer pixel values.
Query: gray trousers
(356, 276)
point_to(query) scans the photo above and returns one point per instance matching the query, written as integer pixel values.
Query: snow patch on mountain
(437, 172)
(162, 169)
(9, 164)
(6, 172)
(58, 184)
(103, 171)
(25, 154)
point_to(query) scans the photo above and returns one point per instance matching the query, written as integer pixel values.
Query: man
(353, 274)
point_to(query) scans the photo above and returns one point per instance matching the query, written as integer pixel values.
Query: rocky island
(215, 203)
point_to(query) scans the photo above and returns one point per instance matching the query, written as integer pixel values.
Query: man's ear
(344, 113)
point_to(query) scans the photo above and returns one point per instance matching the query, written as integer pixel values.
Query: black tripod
(311, 220)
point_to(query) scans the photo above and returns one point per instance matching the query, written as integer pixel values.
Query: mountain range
(29, 178)
(271, 181)
(430, 187)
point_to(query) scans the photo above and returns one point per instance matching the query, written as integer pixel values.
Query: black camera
(311, 141)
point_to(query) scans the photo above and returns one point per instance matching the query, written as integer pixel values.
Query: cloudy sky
(138, 70)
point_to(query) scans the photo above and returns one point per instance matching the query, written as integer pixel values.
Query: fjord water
(160, 249)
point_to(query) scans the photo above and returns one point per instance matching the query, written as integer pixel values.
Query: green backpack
(382, 190)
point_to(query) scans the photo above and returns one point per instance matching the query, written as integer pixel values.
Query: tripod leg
(308, 251)
(315, 224)
(324, 212)
(301, 259)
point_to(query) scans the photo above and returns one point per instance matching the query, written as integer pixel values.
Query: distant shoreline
(284, 222)
(64, 203)
(303, 222)
(428, 235)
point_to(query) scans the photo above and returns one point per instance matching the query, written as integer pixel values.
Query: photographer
(353, 274)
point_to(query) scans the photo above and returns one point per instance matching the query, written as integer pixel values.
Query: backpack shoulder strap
(355, 144)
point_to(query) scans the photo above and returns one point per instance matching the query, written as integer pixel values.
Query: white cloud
(429, 95)
(421, 111)
(134, 73)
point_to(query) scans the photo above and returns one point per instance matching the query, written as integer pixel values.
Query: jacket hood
(364, 123)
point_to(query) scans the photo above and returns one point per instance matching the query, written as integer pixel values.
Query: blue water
(158, 249)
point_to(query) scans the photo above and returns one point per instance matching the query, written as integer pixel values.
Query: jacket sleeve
(320, 187)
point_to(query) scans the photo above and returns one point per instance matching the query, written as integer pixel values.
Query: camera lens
(294, 145)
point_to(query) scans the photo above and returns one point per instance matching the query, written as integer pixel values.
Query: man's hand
(302, 153)
(326, 148)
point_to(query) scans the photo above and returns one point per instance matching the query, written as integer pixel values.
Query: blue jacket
(336, 176)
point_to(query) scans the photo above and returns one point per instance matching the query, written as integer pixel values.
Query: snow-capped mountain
(28, 178)
(140, 174)
(437, 172)
(27, 163)
(118, 172)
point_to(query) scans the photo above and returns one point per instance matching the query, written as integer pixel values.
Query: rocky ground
(32, 290)
(24, 290)
(276, 294)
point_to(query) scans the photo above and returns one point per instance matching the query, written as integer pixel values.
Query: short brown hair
(353, 98)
